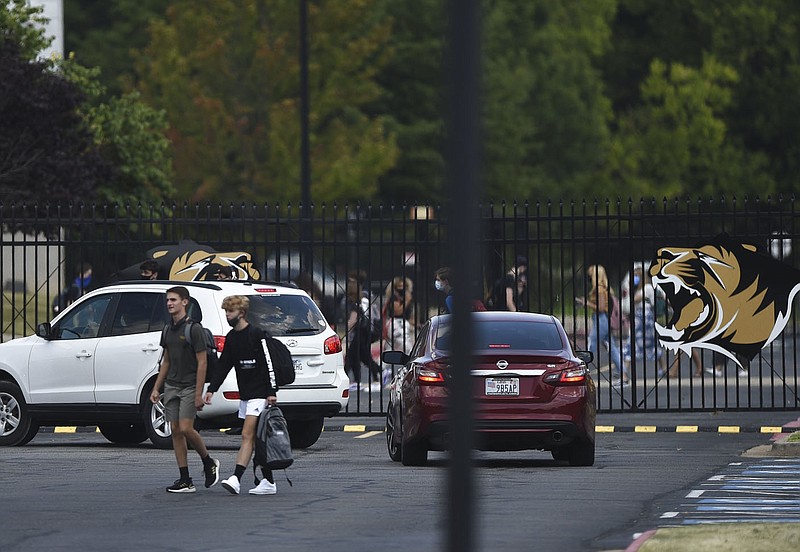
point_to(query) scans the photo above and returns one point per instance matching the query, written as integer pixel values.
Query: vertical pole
(463, 167)
(305, 161)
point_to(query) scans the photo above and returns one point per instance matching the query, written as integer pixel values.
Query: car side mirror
(394, 357)
(44, 330)
(586, 356)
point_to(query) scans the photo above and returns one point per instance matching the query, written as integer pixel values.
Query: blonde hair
(598, 275)
(236, 302)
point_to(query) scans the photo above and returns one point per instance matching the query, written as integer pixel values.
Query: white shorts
(253, 407)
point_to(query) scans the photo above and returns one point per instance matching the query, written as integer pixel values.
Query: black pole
(463, 152)
(305, 162)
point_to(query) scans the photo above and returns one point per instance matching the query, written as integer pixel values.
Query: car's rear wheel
(414, 453)
(392, 438)
(155, 423)
(560, 454)
(304, 433)
(581, 453)
(123, 433)
(16, 425)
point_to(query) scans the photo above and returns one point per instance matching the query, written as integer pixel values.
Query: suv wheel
(155, 423)
(304, 433)
(123, 433)
(16, 425)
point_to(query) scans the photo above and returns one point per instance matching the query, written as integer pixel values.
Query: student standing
(246, 351)
(182, 376)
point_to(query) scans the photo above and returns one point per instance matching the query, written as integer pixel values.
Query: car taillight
(571, 376)
(219, 341)
(333, 345)
(231, 395)
(430, 376)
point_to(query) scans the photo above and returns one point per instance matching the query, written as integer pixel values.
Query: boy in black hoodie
(246, 351)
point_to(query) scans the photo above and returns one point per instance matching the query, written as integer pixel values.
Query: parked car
(530, 390)
(96, 363)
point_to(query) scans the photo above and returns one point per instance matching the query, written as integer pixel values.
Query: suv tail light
(575, 375)
(333, 345)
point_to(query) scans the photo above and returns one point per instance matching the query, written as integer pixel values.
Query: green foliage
(678, 137)
(106, 34)
(24, 24)
(228, 77)
(545, 114)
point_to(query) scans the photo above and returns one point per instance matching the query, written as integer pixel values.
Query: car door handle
(83, 354)
(315, 362)
(150, 348)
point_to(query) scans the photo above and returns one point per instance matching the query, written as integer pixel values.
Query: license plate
(502, 386)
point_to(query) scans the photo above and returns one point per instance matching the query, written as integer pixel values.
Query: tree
(228, 78)
(46, 152)
(545, 112)
(677, 140)
(413, 78)
(61, 139)
(105, 34)
(130, 136)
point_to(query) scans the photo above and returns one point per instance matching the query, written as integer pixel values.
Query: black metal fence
(560, 240)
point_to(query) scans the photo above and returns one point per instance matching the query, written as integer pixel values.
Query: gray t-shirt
(183, 359)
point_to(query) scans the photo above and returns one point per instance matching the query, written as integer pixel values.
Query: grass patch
(794, 437)
(726, 537)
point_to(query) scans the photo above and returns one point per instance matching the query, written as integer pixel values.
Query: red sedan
(530, 390)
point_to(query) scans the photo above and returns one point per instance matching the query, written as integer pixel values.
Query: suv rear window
(537, 336)
(283, 315)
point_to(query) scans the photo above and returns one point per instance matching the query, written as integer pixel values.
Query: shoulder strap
(187, 332)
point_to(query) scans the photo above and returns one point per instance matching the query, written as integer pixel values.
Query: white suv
(96, 363)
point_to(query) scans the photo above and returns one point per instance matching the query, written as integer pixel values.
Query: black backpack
(280, 361)
(212, 355)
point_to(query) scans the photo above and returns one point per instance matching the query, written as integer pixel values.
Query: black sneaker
(181, 486)
(212, 473)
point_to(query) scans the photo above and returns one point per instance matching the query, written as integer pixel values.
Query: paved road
(78, 492)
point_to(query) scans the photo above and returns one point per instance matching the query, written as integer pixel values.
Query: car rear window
(538, 336)
(283, 315)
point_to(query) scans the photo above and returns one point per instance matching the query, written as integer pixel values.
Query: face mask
(234, 321)
(636, 281)
(438, 285)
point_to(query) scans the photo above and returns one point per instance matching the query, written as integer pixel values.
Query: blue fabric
(600, 332)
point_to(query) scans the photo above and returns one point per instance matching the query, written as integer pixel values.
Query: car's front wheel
(304, 433)
(123, 433)
(16, 425)
(155, 423)
(392, 438)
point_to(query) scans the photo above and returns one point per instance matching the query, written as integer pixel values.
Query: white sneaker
(264, 488)
(232, 484)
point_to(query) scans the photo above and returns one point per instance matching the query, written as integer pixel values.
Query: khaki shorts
(179, 403)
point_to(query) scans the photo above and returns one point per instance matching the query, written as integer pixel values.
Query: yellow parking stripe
(604, 429)
(686, 429)
(771, 429)
(65, 429)
(645, 429)
(355, 428)
(368, 434)
(728, 429)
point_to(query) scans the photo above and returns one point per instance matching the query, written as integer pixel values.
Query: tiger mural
(191, 261)
(725, 296)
